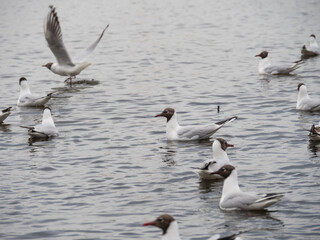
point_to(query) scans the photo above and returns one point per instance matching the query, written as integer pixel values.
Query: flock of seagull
(219, 167)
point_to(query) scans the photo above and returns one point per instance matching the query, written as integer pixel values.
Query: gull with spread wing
(64, 66)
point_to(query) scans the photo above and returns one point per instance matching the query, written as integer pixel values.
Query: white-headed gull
(28, 99)
(4, 114)
(47, 127)
(219, 159)
(314, 133)
(170, 229)
(64, 66)
(266, 67)
(304, 102)
(313, 49)
(233, 198)
(184, 133)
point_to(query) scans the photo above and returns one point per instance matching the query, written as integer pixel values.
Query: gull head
(299, 86)
(48, 65)
(22, 79)
(224, 171)
(312, 35)
(224, 144)
(167, 113)
(163, 222)
(263, 54)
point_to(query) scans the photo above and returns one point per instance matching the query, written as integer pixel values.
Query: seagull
(234, 199)
(220, 158)
(315, 132)
(46, 129)
(304, 102)
(4, 114)
(265, 66)
(313, 49)
(170, 229)
(184, 133)
(28, 99)
(64, 66)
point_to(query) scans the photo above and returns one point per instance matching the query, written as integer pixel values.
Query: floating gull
(170, 229)
(265, 66)
(314, 133)
(184, 133)
(4, 114)
(28, 99)
(234, 199)
(46, 129)
(313, 49)
(219, 159)
(304, 102)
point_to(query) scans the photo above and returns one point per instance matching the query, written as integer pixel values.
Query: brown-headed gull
(312, 49)
(266, 67)
(64, 66)
(233, 198)
(314, 133)
(184, 133)
(219, 159)
(170, 229)
(304, 102)
(28, 99)
(46, 129)
(4, 114)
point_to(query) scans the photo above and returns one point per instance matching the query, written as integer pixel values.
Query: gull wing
(53, 35)
(202, 132)
(82, 56)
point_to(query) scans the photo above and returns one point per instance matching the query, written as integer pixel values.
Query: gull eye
(223, 169)
(161, 219)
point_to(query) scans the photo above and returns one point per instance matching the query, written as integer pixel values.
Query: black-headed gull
(314, 133)
(219, 159)
(64, 66)
(266, 67)
(46, 129)
(233, 198)
(313, 49)
(4, 114)
(170, 229)
(28, 99)
(184, 133)
(304, 102)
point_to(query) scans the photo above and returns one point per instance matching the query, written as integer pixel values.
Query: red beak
(158, 115)
(148, 224)
(258, 55)
(230, 145)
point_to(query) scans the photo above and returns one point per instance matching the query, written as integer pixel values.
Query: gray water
(111, 169)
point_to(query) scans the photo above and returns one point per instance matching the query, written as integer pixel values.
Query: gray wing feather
(239, 200)
(53, 35)
(81, 57)
(195, 132)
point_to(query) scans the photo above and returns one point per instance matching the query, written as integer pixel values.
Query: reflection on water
(314, 146)
(206, 185)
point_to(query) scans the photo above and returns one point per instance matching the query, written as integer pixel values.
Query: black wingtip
(227, 120)
(7, 109)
